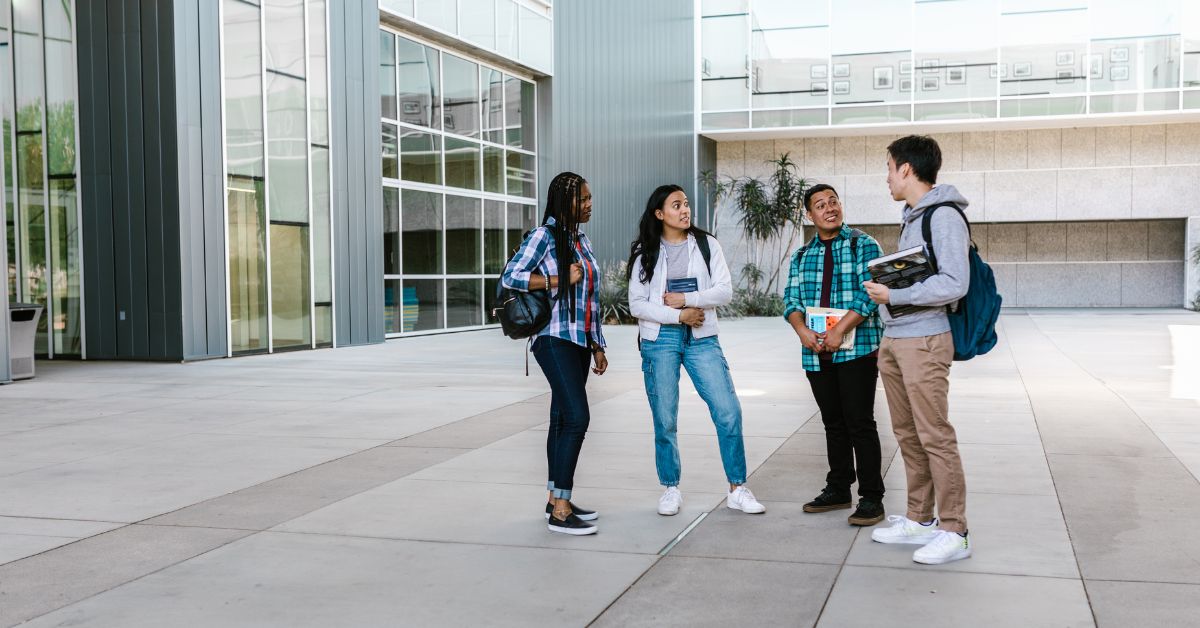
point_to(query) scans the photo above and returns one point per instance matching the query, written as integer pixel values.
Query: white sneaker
(905, 530)
(670, 501)
(742, 499)
(944, 548)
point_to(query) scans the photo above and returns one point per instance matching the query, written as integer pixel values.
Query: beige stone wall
(1112, 194)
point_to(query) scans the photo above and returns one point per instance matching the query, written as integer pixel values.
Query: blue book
(687, 284)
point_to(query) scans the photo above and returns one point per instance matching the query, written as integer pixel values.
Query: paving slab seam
(1058, 499)
(370, 537)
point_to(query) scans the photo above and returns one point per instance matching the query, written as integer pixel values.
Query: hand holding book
(900, 270)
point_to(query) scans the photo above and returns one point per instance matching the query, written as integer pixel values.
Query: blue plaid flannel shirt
(803, 291)
(537, 253)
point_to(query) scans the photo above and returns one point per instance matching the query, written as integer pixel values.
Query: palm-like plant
(766, 212)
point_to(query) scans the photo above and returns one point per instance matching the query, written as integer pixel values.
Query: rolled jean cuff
(669, 484)
(559, 493)
(737, 482)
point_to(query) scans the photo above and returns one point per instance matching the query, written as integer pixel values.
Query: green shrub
(614, 295)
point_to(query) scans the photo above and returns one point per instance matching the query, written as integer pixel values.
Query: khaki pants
(916, 379)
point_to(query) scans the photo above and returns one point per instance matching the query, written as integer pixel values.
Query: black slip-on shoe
(829, 499)
(583, 514)
(571, 525)
(868, 513)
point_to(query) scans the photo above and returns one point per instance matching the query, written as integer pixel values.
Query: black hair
(649, 236)
(563, 199)
(921, 152)
(820, 187)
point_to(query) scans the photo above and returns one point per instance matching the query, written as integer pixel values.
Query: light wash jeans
(706, 365)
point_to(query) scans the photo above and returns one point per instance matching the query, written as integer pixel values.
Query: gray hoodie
(951, 242)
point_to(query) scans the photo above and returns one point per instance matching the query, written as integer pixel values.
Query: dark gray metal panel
(624, 123)
(357, 182)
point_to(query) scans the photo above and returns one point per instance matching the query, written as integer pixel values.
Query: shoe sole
(859, 521)
(668, 514)
(749, 512)
(573, 531)
(953, 557)
(826, 508)
(591, 517)
(910, 540)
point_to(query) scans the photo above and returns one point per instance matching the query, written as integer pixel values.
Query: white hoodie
(714, 290)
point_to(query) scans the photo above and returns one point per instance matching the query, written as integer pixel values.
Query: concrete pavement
(401, 484)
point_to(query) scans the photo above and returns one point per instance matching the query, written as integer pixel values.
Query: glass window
(790, 68)
(391, 151)
(521, 218)
(519, 112)
(420, 156)
(1190, 25)
(463, 237)
(462, 164)
(506, 28)
(322, 262)
(714, 121)
(32, 234)
(724, 46)
(1043, 52)
(717, 94)
(493, 169)
(420, 96)
(537, 40)
(391, 231)
(464, 302)
(387, 75)
(791, 117)
(394, 307)
(60, 107)
(403, 7)
(722, 7)
(1134, 63)
(438, 14)
(424, 304)
(318, 75)
(962, 58)
(28, 52)
(478, 22)
(290, 299)
(421, 219)
(492, 83)
(461, 96)
(285, 36)
(64, 235)
(495, 254)
(287, 149)
(521, 172)
(323, 315)
(27, 16)
(247, 263)
(243, 91)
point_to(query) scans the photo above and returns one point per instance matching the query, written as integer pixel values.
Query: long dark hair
(563, 198)
(650, 231)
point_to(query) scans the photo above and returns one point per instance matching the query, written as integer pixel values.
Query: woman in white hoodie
(674, 290)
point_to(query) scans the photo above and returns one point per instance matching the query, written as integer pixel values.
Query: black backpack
(522, 314)
(972, 318)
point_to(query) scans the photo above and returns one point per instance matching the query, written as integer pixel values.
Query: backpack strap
(705, 252)
(855, 234)
(927, 229)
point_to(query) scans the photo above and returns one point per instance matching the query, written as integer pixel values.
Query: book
(687, 284)
(821, 319)
(901, 270)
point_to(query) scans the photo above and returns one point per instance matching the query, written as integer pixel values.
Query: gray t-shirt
(676, 256)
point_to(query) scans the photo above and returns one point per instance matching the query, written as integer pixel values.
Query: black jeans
(845, 393)
(566, 367)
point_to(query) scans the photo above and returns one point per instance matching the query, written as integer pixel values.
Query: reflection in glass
(287, 148)
(403, 7)
(391, 231)
(521, 218)
(243, 90)
(724, 42)
(1135, 63)
(464, 303)
(731, 93)
(387, 75)
(519, 112)
(791, 117)
(322, 256)
(285, 35)
(521, 172)
(424, 304)
(714, 121)
(318, 76)
(64, 231)
(394, 308)
(1042, 53)
(420, 98)
(537, 39)
(290, 299)
(247, 264)
(492, 84)
(391, 152)
(460, 96)
(420, 156)
(478, 22)
(438, 14)
(463, 255)
(462, 164)
(6, 126)
(32, 234)
(964, 53)
(506, 28)
(493, 169)
(494, 252)
(27, 48)
(421, 219)
(60, 104)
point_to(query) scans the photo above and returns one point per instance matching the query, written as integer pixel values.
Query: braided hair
(563, 200)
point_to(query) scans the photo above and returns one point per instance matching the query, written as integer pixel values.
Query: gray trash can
(23, 319)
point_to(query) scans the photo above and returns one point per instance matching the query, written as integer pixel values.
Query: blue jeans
(566, 366)
(706, 365)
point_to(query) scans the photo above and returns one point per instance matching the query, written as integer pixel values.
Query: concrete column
(1191, 269)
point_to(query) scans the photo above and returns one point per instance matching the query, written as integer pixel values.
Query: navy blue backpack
(973, 318)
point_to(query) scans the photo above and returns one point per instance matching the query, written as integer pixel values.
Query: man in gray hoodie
(915, 357)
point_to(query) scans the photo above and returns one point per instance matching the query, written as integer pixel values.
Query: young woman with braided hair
(572, 341)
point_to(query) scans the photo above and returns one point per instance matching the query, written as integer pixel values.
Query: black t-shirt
(826, 284)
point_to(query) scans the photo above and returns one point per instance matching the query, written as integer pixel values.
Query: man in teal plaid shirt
(829, 272)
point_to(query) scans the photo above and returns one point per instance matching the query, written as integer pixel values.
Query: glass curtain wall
(459, 174)
(797, 63)
(42, 213)
(277, 174)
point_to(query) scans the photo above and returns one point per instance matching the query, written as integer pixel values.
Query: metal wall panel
(623, 106)
(357, 179)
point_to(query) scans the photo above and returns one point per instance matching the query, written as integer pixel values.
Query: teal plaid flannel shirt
(804, 291)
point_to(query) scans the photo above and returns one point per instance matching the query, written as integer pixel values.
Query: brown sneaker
(868, 513)
(829, 499)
